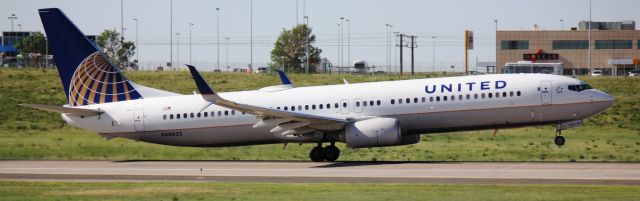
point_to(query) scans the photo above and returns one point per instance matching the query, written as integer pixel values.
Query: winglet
(283, 77)
(203, 87)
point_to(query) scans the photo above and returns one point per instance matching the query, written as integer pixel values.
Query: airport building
(10, 56)
(615, 49)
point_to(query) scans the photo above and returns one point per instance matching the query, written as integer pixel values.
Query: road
(355, 172)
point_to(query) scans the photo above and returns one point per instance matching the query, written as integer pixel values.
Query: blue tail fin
(87, 75)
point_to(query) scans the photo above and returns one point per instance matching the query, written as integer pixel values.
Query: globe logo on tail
(96, 81)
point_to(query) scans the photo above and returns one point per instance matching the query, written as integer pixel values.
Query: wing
(287, 122)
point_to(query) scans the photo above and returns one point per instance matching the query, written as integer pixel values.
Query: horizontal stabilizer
(81, 112)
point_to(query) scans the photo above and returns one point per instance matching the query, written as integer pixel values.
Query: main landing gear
(559, 138)
(329, 153)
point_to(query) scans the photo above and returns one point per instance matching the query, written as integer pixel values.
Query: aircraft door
(344, 106)
(138, 119)
(545, 93)
(358, 105)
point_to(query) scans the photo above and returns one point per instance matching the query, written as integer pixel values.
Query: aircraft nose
(604, 99)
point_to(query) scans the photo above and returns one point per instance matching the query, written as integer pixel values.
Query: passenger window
(313, 107)
(460, 97)
(293, 108)
(497, 94)
(226, 113)
(511, 93)
(336, 105)
(206, 114)
(344, 104)
(431, 99)
(219, 113)
(468, 96)
(191, 115)
(299, 107)
(233, 112)
(213, 113)
(415, 100)
(278, 108)
(444, 98)
(364, 103)
(518, 93)
(171, 116)
(184, 116)
(198, 115)
(164, 117)
(424, 99)
(328, 106)
(320, 106)
(482, 95)
(504, 94)
(393, 101)
(286, 108)
(408, 100)
(453, 97)
(371, 103)
(306, 107)
(490, 95)
(475, 96)
(177, 116)
(357, 103)
(438, 98)
(378, 102)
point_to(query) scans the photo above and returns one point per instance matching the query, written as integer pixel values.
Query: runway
(308, 172)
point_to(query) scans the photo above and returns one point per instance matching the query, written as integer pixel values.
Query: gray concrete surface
(357, 172)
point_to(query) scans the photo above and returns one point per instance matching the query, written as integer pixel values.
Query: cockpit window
(580, 87)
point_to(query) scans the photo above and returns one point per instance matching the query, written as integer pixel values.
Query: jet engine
(377, 132)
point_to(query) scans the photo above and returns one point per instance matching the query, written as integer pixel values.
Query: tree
(115, 48)
(32, 48)
(289, 49)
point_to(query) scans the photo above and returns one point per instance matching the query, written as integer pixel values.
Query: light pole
(171, 34)
(178, 46)
(338, 58)
(137, 44)
(589, 26)
(227, 54)
(395, 53)
(122, 20)
(218, 36)
(561, 24)
(12, 17)
(497, 46)
(433, 67)
(349, 42)
(342, 41)
(306, 48)
(387, 46)
(251, 37)
(190, 49)
(20, 27)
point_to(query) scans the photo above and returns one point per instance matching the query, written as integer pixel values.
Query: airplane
(375, 114)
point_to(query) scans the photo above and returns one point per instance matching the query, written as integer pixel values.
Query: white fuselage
(419, 105)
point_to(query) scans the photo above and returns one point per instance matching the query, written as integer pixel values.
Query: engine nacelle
(377, 132)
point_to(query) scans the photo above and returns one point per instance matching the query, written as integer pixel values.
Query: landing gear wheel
(317, 154)
(331, 153)
(559, 140)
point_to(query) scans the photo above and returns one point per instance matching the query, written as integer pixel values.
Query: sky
(446, 20)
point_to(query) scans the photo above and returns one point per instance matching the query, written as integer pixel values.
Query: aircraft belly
(209, 137)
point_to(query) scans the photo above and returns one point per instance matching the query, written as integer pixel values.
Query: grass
(31, 134)
(20, 190)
